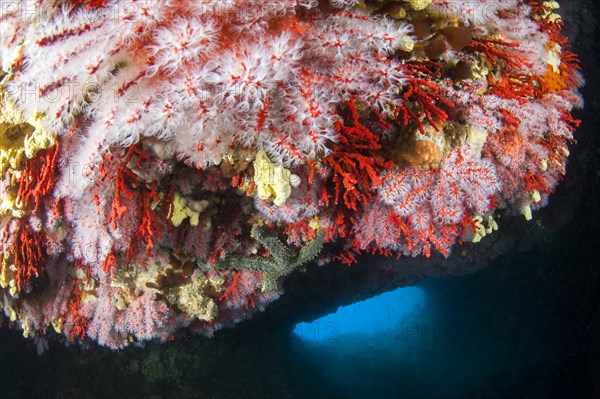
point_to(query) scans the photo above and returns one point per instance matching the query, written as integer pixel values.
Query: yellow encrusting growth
(25, 326)
(57, 325)
(418, 4)
(526, 211)
(39, 139)
(20, 139)
(552, 16)
(314, 223)
(272, 180)
(484, 227)
(181, 212)
(193, 297)
(8, 273)
(9, 206)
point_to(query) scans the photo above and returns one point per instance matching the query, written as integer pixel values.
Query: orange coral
(425, 151)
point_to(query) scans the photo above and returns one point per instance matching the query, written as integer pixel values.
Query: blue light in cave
(378, 314)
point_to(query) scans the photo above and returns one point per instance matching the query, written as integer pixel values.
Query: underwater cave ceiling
(330, 131)
(319, 291)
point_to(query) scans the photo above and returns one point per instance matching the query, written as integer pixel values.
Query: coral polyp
(166, 165)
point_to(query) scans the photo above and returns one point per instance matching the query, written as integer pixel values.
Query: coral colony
(167, 164)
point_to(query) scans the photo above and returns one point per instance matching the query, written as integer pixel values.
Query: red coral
(109, 264)
(355, 173)
(29, 254)
(37, 179)
(520, 87)
(150, 227)
(421, 90)
(535, 182)
(355, 170)
(232, 292)
(78, 321)
(146, 318)
(299, 232)
(118, 209)
(441, 238)
(240, 291)
(498, 49)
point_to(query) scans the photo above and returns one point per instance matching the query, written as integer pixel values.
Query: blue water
(380, 314)
(502, 332)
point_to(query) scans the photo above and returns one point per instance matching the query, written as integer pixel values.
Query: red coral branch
(420, 89)
(355, 171)
(29, 255)
(232, 292)
(150, 226)
(74, 313)
(355, 174)
(441, 238)
(498, 49)
(520, 87)
(535, 182)
(37, 179)
(240, 291)
(299, 232)
(140, 156)
(347, 257)
(109, 264)
(511, 121)
(118, 209)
